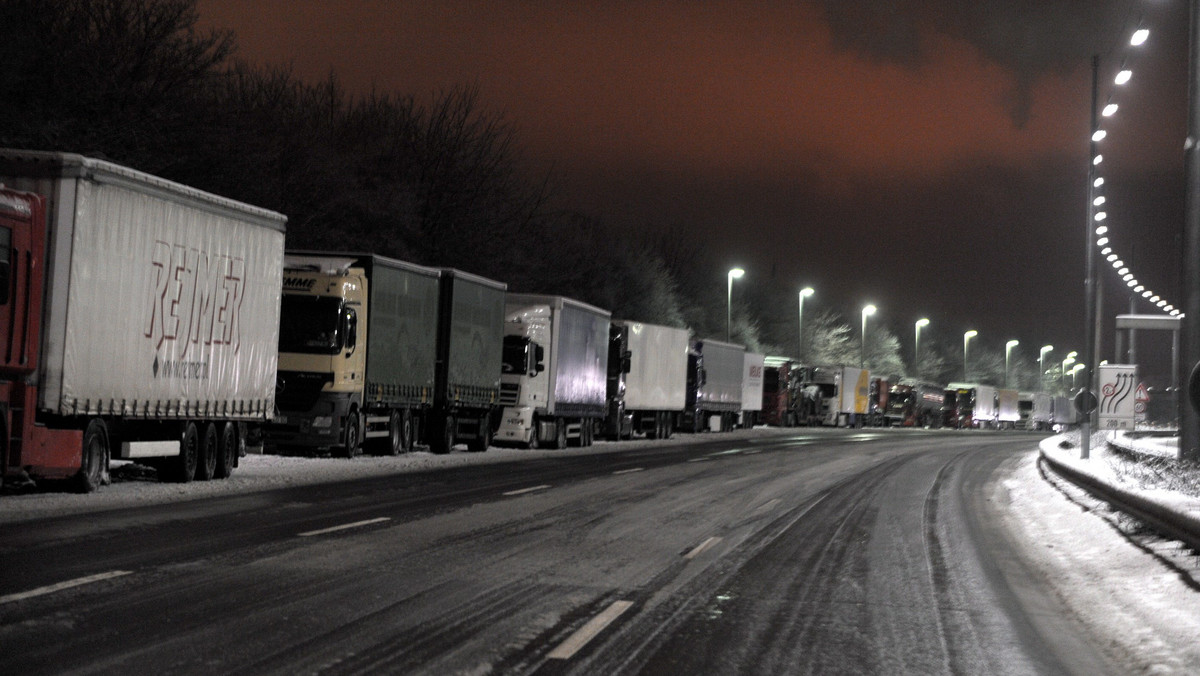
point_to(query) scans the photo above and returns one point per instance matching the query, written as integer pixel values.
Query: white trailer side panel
(752, 382)
(1008, 406)
(657, 378)
(164, 300)
(854, 391)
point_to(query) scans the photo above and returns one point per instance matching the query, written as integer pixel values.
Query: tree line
(439, 181)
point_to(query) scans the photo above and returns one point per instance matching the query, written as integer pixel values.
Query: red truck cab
(29, 449)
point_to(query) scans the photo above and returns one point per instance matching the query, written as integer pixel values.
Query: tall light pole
(735, 273)
(1007, 352)
(917, 346)
(804, 293)
(862, 359)
(1075, 374)
(1070, 359)
(967, 339)
(1042, 365)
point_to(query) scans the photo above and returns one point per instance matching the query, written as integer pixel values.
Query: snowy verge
(133, 488)
(1117, 477)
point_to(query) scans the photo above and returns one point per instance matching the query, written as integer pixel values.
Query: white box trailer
(647, 379)
(752, 388)
(1041, 413)
(555, 368)
(1008, 408)
(852, 397)
(975, 405)
(160, 304)
(714, 398)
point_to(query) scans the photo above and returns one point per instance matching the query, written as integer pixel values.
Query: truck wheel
(182, 468)
(93, 468)
(394, 443)
(483, 437)
(585, 433)
(444, 443)
(206, 461)
(560, 434)
(352, 445)
(227, 450)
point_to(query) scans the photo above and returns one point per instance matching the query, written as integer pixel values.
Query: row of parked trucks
(142, 319)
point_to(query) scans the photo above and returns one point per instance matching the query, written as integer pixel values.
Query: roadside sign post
(1118, 396)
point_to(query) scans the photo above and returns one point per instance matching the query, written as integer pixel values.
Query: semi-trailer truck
(553, 382)
(714, 396)
(913, 403)
(752, 389)
(647, 379)
(139, 320)
(357, 352)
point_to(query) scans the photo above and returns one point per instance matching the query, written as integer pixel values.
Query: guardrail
(1162, 518)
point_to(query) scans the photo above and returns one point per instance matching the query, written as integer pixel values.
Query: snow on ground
(266, 472)
(1138, 593)
(1147, 611)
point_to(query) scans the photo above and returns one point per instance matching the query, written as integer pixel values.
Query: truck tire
(94, 451)
(210, 444)
(227, 450)
(560, 434)
(352, 441)
(182, 468)
(395, 442)
(443, 442)
(483, 436)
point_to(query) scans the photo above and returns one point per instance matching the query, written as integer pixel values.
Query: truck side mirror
(350, 322)
(626, 361)
(5, 281)
(539, 358)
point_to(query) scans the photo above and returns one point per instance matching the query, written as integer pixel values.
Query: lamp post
(1075, 374)
(1042, 364)
(1070, 359)
(967, 339)
(862, 358)
(917, 346)
(735, 273)
(1007, 353)
(804, 293)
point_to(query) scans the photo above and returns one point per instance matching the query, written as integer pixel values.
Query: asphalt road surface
(821, 552)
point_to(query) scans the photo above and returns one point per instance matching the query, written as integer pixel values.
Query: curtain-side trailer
(714, 398)
(140, 320)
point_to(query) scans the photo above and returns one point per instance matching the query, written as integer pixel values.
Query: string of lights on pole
(1124, 75)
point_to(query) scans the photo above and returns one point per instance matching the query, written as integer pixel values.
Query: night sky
(928, 157)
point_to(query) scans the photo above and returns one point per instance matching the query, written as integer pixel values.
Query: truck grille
(298, 391)
(509, 394)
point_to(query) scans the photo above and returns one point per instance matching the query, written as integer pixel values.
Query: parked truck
(844, 394)
(1008, 408)
(1041, 412)
(647, 379)
(470, 345)
(714, 396)
(971, 405)
(357, 353)
(139, 320)
(782, 378)
(553, 383)
(913, 403)
(752, 389)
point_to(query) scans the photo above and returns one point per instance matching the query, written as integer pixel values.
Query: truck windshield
(515, 356)
(309, 324)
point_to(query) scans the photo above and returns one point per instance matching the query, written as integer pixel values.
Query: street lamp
(917, 345)
(966, 339)
(862, 359)
(735, 273)
(1074, 373)
(804, 293)
(1070, 359)
(1042, 364)
(1007, 352)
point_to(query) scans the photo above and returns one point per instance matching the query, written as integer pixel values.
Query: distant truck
(877, 400)
(912, 403)
(846, 394)
(782, 378)
(140, 320)
(1008, 408)
(971, 405)
(752, 389)
(647, 379)
(357, 352)
(714, 397)
(553, 384)
(1041, 411)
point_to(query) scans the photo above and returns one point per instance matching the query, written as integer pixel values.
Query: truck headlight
(322, 421)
